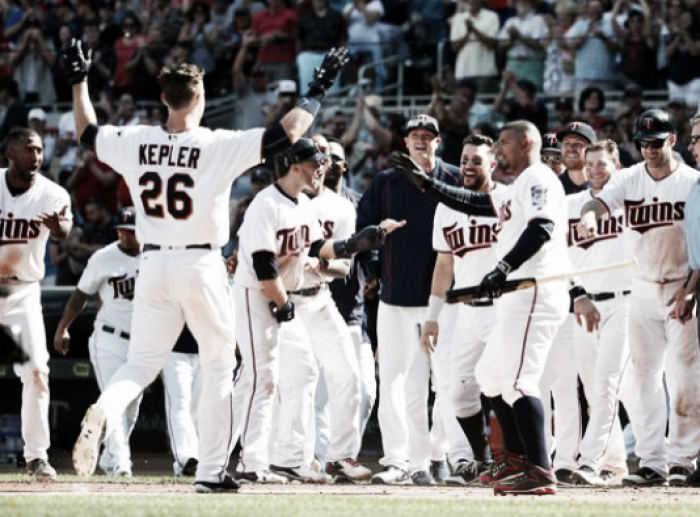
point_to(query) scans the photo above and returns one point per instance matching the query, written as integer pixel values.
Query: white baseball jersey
(22, 237)
(535, 194)
(284, 226)
(470, 239)
(609, 245)
(112, 273)
(161, 170)
(654, 213)
(337, 216)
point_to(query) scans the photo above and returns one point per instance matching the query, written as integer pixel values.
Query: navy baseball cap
(579, 129)
(306, 150)
(550, 143)
(423, 122)
(126, 219)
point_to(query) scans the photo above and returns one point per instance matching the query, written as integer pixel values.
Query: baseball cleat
(535, 480)
(301, 474)
(422, 478)
(87, 448)
(440, 471)
(264, 477)
(564, 477)
(507, 466)
(466, 472)
(677, 476)
(645, 477)
(348, 470)
(390, 475)
(41, 470)
(208, 487)
(189, 469)
(587, 476)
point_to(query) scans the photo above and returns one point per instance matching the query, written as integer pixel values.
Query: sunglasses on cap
(651, 144)
(551, 159)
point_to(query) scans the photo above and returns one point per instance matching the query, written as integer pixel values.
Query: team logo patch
(648, 122)
(539, 196)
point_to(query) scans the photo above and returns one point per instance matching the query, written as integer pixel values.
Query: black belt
(158, 247)
(311, 291)
(112, 330)
(480, 303)
(600, 297)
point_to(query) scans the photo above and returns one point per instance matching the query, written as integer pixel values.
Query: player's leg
(683, 382)
(648, 346)
(321, 424)
(178, 377)
(258, 377)
(368, 375)
(23, 307)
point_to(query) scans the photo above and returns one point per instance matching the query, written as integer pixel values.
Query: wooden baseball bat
(471, 293)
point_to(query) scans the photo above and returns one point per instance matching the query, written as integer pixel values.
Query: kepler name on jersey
(172, 156)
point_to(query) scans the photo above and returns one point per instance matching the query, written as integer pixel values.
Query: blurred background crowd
(473, 64)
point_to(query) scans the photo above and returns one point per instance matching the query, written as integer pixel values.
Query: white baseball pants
(659, 343)
(174, 287)
(23, 307)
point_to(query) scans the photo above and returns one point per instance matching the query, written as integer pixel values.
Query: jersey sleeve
(260, 227)
(439, 241)
(114, 144)
(91, 280)
(240, 150)
(346, 223)
(539, 197)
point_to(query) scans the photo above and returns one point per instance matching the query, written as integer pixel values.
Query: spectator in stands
(524, 105)
(66, 147)
(591, 104)
(452, 119)
(37, 122)
(125, 114)
(593, 40)
(107, 26)
(364, 36)
(201, 36)
(145, 65)
(320, 29)
(287, 96)
(103, 59)
(249, 83)
(124, 49)
(523, 37)
(559, 62)
(429, 20)
(473, 39)
(15, 109)
(32, 60)
(92, 180)
(631, 102)
(68, 267)
(638, 43)
(99, 229)
(626, 129)
(682, 47)
(564, 112)
(253, 6)
(277, 27)
(611, 131)
(477, 111)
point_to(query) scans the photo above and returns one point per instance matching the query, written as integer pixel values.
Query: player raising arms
(531, 241)
(181, 175)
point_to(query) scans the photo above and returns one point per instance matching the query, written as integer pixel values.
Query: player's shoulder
(103, 255)
(688, 172)
(49, 186)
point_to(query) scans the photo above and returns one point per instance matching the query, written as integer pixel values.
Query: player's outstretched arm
(459, 199)
(366, 239)
(76, 303)
(76, 61)
(590, 213)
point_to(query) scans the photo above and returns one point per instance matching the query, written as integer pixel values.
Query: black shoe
(206, 487)
(645, 477)
(564, 477)
(189, 469)
(439, 471)
(677, 476)
(693, 479)
(422, 478)
(464, 472)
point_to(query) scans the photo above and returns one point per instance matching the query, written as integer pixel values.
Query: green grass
(230, 505)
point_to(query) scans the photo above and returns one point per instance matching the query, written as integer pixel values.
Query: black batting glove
(326, 74)
(284, 313)
(76, 61)
(492, 284)
(411, 170)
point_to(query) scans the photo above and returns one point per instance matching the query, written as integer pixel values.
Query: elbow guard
(367, 239)
(87, 139)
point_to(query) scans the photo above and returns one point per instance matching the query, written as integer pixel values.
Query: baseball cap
(36, 114)
(579, 129)
(261, 175)
(286, 86)
(306, 150)
(550, 143)
(126, 219)
(423, 122)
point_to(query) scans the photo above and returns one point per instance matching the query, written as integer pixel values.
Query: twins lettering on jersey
(643, 217)
(123, 286)
(327, 227)
(478, 237)
(18, 231)
(608, 228)
(294, 240)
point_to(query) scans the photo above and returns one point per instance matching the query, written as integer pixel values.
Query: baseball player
(32, 209)
(551, 153)
(181, 174)
(279, 235)
(404, 368)
(573, 139)
(318, 338)
(110, 273)
(663, 335)
(464, 245)
(601, 336)
(531, 241)
(182, 385)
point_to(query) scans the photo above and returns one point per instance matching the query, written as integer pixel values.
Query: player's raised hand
(76, 61)
(429, 336)
(326, 74)
(586, 227)
(584, 309)
(491, 285)
(61, 342)
(54, 221)
(412, 170)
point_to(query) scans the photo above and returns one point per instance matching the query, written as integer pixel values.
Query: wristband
(309, 105)
(435, 304)
(577, 292)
